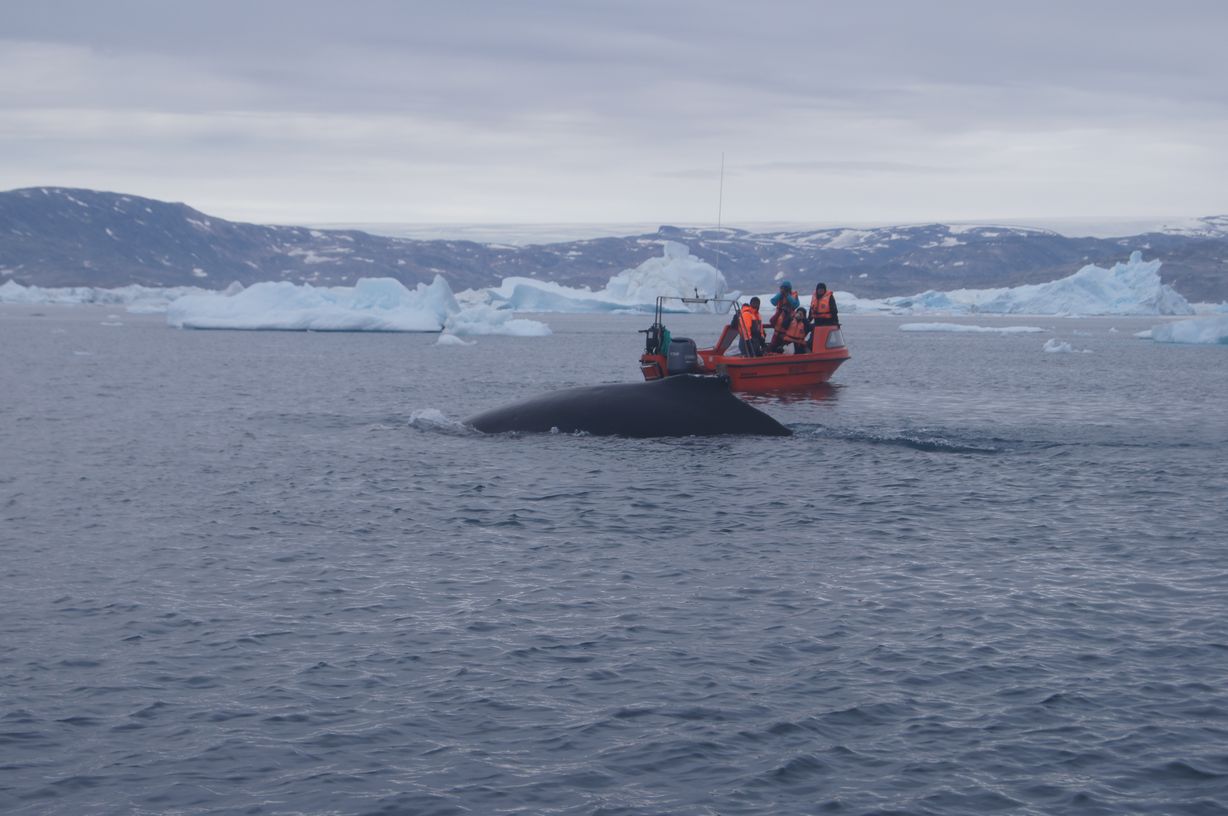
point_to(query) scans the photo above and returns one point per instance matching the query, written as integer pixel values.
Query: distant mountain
(64, 237)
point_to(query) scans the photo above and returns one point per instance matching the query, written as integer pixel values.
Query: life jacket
(785, 306)
(795, 332)
(820, 306)
(748, 320)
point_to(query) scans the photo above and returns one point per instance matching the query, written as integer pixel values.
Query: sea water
(270, 573)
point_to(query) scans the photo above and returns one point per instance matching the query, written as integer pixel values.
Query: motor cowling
(683, 357)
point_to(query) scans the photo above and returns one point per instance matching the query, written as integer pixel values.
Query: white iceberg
(480, 320)
(371, 304)
(1205, 331)
(960, 327)
(383, 304)
(1131, 288)
(138, 299)
(676, 273)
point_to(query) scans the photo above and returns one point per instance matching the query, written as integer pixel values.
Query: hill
(51, 236)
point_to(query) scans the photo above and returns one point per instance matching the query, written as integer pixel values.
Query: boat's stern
(653, 366)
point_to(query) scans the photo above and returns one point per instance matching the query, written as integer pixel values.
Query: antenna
(720, 205)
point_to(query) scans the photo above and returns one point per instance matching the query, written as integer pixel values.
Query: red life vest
(820, 305)
(749, 323)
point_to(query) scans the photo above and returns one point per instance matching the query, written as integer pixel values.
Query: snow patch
(848, 238)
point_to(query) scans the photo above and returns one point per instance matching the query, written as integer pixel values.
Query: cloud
(563, 110)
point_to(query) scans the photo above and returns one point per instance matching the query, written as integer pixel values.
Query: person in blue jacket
(786, 302)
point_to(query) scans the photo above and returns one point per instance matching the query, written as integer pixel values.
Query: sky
(586, 111)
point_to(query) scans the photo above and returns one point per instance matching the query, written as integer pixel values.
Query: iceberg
(1205, 331)
(479, 320)
(384, 304)
(1130, 288)
(675, 273)
(371, 304)
(139, 299)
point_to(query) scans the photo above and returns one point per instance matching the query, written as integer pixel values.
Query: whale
(682, 405)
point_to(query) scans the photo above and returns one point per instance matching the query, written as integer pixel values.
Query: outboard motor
(683, 356)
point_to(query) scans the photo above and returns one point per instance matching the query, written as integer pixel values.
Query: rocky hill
(66, 237)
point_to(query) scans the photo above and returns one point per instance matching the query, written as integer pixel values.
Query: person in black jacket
(823, 310)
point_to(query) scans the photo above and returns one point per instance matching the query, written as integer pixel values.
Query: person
(750, 329)
(786, 302)
(796, 332)
(823, 307)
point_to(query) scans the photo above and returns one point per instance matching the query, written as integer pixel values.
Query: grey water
(270, 573)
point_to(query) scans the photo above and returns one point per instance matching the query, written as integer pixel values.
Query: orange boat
(665, 355)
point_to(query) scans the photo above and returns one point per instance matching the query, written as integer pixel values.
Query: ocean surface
(270, 573)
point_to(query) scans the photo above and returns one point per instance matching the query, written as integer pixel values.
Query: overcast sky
(574, 111)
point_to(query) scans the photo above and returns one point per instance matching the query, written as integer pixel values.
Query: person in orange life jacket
(823, 307)
(786, 302)
(750, 329)
(798, 332)
(790, 324)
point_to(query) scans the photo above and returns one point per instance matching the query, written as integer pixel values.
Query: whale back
(686, 405)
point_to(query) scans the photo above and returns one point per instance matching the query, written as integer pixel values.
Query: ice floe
(962, 327)
(1203, 331)
(1055, 346)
